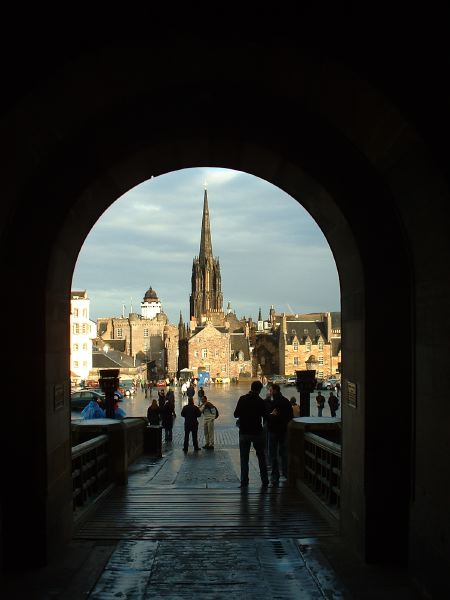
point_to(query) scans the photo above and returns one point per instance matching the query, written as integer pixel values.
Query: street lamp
(306, 383)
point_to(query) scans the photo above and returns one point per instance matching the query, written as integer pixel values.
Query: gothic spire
(205, 240)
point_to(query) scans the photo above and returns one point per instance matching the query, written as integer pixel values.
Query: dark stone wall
(354, 147)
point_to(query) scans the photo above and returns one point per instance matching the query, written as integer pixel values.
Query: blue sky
(270, 250)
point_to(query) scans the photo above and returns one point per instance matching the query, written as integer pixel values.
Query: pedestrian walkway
(182, 529)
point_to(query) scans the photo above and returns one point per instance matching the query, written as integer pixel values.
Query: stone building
(206, 296)
(284, 343)
(82, 332)
(215, 342)
(145, 338)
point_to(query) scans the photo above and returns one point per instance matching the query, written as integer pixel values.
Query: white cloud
(271, 250)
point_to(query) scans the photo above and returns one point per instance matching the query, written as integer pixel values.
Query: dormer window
(295, 346)
(320, 344)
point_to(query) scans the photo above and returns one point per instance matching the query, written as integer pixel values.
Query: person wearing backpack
(210, 414)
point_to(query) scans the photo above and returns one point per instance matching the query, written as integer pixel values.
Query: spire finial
(205, 239)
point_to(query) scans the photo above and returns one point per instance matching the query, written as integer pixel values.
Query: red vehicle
(161, 383)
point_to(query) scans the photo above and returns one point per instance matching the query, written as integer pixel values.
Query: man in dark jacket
(277, 423)
(190, 413)
(250, 410)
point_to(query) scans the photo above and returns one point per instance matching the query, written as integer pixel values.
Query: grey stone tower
(206, 280)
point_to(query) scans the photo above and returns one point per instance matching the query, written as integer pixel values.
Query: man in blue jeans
(250, 410)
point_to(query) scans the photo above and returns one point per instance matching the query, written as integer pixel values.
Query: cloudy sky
(270, 250)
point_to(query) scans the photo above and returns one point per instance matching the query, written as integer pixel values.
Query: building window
(320, 344)
(119, 332)
(320, 360)
(305, 331)
(75, 347)
(295, 346)
(204, 353)
(146, 346)
(84, 346)
(224, 368)
(75, 363)
(145, 332)
(196, 354)
(75, 312)
(85, 313)
(320, 374)
(296, 361)
(308, 346)
(76, 328)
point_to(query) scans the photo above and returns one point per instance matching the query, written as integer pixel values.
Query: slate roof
(335, 346)
(303, 329)
(238, 342)
(202, 327)
(235, 324)
(111, 360)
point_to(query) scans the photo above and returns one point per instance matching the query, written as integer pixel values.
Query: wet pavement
(182, 529)
(224, 396)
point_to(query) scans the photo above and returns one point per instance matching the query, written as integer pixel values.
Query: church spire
(205, 240)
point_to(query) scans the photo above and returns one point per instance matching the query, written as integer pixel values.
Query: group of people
(263, 423)
(162, 412)
(333, 403)
(191, 414)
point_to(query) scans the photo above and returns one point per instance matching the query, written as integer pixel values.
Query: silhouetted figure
(153, 414)
(250, 410)
(277, 424)
(333, 403)
(191, 413)
(320, 401)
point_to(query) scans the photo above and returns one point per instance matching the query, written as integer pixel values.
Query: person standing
(190, 392)
(250, 410)
(168, 415)
(333, 403)
(161, 398)
(153, 414)
(201, 396)
(191, 413)
(210, 414)
(320, 401)
(277, 424)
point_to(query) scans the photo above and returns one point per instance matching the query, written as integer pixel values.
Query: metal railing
(323, 469)
(90, 474)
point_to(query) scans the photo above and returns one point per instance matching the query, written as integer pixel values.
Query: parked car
(127, 388)
(279, 379)
(329, 384)
(80, 400)
(291, 381)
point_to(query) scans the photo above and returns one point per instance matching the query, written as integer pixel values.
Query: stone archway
(292, 136)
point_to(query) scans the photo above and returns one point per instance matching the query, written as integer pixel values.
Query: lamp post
(306, 383)
(109, 382)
